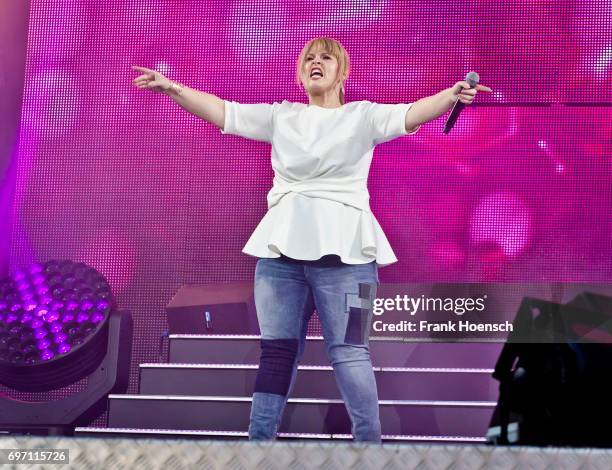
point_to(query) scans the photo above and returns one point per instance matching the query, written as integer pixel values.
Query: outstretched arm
(204, 105)
(432, 107)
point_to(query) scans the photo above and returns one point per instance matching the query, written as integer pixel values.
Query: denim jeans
(286, 293)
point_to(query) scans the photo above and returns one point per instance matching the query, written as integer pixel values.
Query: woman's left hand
(466, 94)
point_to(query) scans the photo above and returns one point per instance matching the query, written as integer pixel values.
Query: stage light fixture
(52, 317)
(58, 324)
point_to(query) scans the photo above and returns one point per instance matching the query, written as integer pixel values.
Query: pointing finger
(141, 69)
(483, 88)
(141, 77)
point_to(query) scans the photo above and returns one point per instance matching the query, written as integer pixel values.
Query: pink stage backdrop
(125, 180)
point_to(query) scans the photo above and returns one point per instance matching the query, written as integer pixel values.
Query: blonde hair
(334, 48)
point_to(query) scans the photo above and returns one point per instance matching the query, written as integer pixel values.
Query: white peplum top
(319, 202)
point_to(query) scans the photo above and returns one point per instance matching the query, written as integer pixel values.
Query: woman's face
(319, 73)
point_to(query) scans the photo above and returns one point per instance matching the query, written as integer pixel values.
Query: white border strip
(197, 432)
(472, 404)
(188, 365)
(397, 339)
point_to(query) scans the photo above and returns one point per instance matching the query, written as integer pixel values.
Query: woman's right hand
(150, 79)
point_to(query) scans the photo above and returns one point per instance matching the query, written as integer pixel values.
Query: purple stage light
(97, 317)
(47, 355)
(60, 337)
(41, 311)
(40, 333)
(82, 317)
(51, 316)
(102, 305)
(55, 320)
(67, 317)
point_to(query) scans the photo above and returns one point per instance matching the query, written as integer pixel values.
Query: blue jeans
(286, 293)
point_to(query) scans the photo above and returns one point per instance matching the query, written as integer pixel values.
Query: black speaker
(213, 309)
(554, 373)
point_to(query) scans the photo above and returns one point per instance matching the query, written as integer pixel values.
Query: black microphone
(472, 78)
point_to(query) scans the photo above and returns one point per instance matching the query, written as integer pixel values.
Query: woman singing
(319, 239)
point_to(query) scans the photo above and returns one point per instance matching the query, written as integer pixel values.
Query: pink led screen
(154, 198)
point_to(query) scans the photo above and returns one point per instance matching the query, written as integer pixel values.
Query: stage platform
(173, 454)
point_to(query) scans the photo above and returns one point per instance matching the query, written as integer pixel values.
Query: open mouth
(316, 74)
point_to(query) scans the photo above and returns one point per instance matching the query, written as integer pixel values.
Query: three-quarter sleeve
(388, 121)
(253, 121)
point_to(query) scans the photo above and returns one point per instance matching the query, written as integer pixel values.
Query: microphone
(472, 78)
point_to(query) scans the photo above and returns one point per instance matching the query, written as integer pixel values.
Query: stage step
(302, 415)
(238, 380)
(385, 352)
(232, 435)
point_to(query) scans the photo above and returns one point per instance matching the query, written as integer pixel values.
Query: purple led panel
(125, 181)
